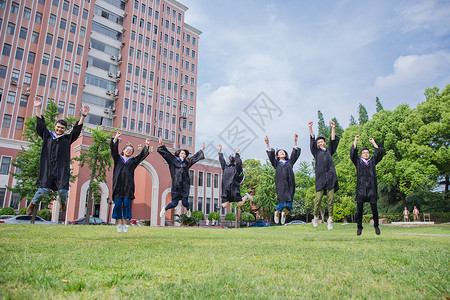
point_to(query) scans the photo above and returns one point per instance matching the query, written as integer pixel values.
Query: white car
(26, 219)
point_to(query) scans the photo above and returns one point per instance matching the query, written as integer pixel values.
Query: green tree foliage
(379, 105)
(344, 208)
(252, 171)
(363, 115)
(7, 211)
(214, 216)
(99, 161)
(45, 214)
(304, 179)
(198, 215)
(247, 217)
(230, 216)
(28, 158)
(265, 194)
(352, 121)
(322, 126)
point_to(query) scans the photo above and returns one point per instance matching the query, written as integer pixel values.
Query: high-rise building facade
(133, 62)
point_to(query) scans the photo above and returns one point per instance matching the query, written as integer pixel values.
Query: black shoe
(377, 230)
(359, 231)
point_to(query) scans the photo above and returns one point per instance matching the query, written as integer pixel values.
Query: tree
(379, 105)
(98, 159)
(322, 126)
(352, 121)
(265, 193)
(344, 208)
(363, 115)
(252, 171)
(28, 158)
(304, 179)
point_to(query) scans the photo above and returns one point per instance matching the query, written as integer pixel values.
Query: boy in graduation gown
(366, 181)
(54, 166)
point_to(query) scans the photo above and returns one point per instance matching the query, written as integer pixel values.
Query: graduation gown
(54, 165)
(284, 174)
(123, 173)
(366, 175)
(179, 171)
(231, 179)
(326, 177)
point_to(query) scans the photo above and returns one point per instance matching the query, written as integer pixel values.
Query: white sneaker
(249, 197)
(119, 228)
(283, 218)
(275, 217)
(330, 224)
(188, 213)
(315, 222)
(162, 214)
(125, 228)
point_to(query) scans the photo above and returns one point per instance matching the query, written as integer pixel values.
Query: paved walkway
(430, 234)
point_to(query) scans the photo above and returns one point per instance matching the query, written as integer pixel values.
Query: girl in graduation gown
(366, 181)
(179, 165)
(123, 180)
(232, 178)
(284, 178)
(326, 178)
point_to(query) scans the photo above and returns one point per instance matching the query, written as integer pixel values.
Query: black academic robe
(326, 177)
(284, 174)
(54, 165)
(366, 175)
(179, 171)
(231, 179)
(123, 173)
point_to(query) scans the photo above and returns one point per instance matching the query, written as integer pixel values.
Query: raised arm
(197, 156)
(144, 152)
(267, 142)
(311, 133)
(114, 146)
(223, 164)
(84, 112)
(354, 151)
(378, 154)
(37, 106)
(295, 151)
(40, 122)
(333, 130)
(238, 161)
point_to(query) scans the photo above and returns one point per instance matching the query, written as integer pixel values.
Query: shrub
(185, 220)
(247, 217)
(198, 215)
(230, 216)
(214, 215)
(23, 211)
(45, 214)
(7, 211)
(437, 217)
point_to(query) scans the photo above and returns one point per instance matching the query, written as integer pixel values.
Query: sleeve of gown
(313, 146)
(354, 155)
(76, 130)
(295, 154)
(141, 156)
(271, 155)
(333, 145)
(223, 164)
(378, 155)
(114, 146)
(197, 157)
(40, 126)
(168, 157)
(238, 162)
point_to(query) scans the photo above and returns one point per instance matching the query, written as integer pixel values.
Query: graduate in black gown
(54, 165)
(232, 178)
(123, 180)
(366, 181)
(284, 178)
(326, 178)
(179, 164)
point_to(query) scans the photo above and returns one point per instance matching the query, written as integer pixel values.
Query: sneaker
(330, 224)
(119, 228)
(63, 206)
(315, 222)
(275, 217)
(358, 231)
(162, 214)
(30, 208)
(283, 218)
(377, 230)
(249, 197)
(188, 213)
(125, 228)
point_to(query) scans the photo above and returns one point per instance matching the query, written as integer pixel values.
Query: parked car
(26, 219)
(295, 222)
(260, 223)
(2, 217)
(92, 221)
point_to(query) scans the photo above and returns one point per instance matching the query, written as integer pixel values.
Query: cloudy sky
(266, 67)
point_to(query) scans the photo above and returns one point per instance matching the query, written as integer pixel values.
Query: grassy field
(295, 262)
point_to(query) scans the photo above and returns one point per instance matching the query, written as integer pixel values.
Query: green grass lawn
(296, 262)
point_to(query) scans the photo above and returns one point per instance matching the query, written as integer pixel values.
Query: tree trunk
(33, 215)
(446, 187)
(89, 201)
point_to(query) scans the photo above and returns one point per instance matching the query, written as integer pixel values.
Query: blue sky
(307, 56)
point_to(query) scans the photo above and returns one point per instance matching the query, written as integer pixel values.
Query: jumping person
(54, 165)
(326, 178)
(232, 178)
(179, 165)
(366, 181)
(123, 180)
(284, 177)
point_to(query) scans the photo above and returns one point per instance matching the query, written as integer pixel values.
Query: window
(140, 124)
(6, 123)
(53, 83)
(19, 123)
(19, 53)
(200, 178)
(3, 71)
(27, 13)
(14, 8)
(27, 78)
(63, 23)
(31, 57)
(132, 124)
(69, 47)
(11, 28)
(208, 205)
(85, 14)
(137, 71)
(42, 79)
(2, 194)
(76, 69)
(38, 18)
(11, 97)
(149, 109)
(75, 10)
(59, 42)
(191, 110)
(80, 50)
(147, 127)
(200, 203)
(133, 105)
(125, 103)
(34, 37)
(56, 2)
(82, 31)
(71, 110)
(216, 181)
(64, 86)
(124, 122)
(6, 49)
(49, 39)
(73, 27)
(23, 100)
(52, 20)
(45, 59)
(74, 89)
(6, 162)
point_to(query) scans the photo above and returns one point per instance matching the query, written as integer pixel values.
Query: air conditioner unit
(118, 74)
(113, 109)
(107, 111)
(122, 45)
(113, 57)
(108, 92)
(123, 29)
(119, 57)
(116, 92)
(110, 74)
(114, 116)
(14, 82)
(125, 14)
(27, 91)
